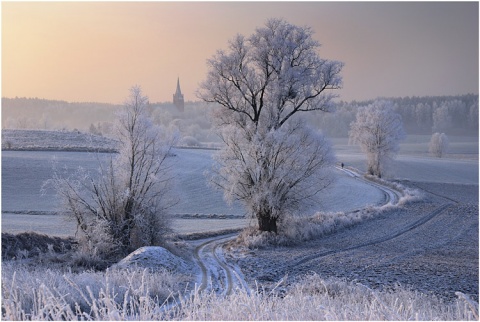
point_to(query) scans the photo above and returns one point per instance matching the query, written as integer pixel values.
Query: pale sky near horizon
(95, 51)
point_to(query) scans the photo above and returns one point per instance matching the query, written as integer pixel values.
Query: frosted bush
(124, 205)
(438, 144)
(294, 229)
(408, 194)
(189, 141)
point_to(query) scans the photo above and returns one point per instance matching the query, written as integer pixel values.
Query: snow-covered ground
(429, 245)
(38, 140)
(155, 257)
(25, 208)
(24, 172)
(421, 168)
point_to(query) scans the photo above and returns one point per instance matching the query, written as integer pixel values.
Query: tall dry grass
(43, 293)
(142, 295)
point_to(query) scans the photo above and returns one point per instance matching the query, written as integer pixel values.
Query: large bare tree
(124, 205)
(260, 83)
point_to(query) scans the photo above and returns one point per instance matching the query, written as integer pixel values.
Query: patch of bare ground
(39, 250)
(31, 244)
(430, 246)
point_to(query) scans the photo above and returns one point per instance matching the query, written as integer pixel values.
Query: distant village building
(178, 98)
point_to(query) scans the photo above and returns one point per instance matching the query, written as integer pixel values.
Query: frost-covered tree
(473, 114)
(260, 82)
(378, 130)
(438, 144)
(442, 118)
(124, 205)
(273, 172)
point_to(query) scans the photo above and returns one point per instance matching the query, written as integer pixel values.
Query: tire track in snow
(203, 267)
(226, 269)
(392, 196)
(210, 263)
(402, 231)
(435, 194)
(206, 254)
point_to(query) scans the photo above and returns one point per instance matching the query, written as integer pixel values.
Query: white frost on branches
(271, 75)
(378, 130)
(272, 162)
(124, 205)
(278, 171)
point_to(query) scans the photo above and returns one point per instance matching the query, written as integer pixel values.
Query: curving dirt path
(216, 273)
(429, 245)
(222, 277)
(391, 196)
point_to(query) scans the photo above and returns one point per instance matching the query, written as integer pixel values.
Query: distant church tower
(178, 98)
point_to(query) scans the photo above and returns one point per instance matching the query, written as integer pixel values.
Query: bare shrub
(125, 204)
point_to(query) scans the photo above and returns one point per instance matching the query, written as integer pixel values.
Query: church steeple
(179, 91)
(178, 97)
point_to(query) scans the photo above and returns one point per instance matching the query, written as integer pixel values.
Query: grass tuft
(145, 295)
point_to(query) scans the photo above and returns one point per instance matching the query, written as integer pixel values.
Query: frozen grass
(296, 229)
(332, 299)
(141, 295)
(407, 194)
(48, 294)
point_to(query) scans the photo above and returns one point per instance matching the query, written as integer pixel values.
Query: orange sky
(95, 51)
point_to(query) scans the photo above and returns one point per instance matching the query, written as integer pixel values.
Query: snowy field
(39, 140)
(414, 163)
(399, 246)
(25, 208)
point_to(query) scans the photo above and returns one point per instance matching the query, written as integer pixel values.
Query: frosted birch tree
(378, 130)
(271, 162)
(124, 205)
(438, 144)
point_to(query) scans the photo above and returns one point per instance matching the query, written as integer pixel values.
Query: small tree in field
(271, 162)
(378, 130)
(438, 144)
(123, 206)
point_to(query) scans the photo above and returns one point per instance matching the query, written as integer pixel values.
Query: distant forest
(453, 115)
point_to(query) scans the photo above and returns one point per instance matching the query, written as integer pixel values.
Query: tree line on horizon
(455, 115)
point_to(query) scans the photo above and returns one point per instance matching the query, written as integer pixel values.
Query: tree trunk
(126, 226)
(267, 223)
